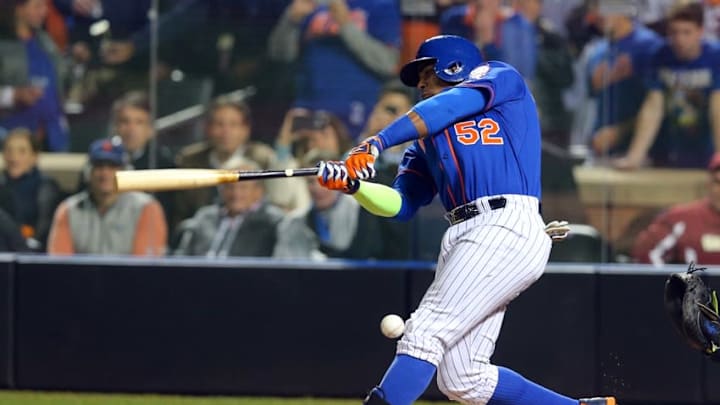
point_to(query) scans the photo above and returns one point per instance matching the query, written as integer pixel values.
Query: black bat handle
(273, 174)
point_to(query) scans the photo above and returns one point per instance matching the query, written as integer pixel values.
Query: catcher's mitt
(693, 309)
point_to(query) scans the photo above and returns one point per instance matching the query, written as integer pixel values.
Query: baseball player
(477, 146)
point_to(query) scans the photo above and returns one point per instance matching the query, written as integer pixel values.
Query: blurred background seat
(583, 244)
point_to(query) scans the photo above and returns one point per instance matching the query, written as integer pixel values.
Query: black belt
(466, 211)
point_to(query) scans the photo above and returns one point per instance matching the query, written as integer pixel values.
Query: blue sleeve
(438, 112)
(384, 22)
(414, 182)
(597, 54)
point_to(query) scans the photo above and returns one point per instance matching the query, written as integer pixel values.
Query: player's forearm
(715, 118)
(430, 116)
(380, 58)
(649, 119)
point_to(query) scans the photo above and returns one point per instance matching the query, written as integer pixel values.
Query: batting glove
(361, 160)
(557, 230)
(333, 175)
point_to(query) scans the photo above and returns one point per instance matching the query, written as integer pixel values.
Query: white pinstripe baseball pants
(485, 262)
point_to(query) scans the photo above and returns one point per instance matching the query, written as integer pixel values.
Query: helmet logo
(453, 68)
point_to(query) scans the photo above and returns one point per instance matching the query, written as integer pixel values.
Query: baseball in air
(392, 326)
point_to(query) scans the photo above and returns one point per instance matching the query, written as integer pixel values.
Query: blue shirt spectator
(31, 75)
(617, 69)
(685, 137)
(679, 114)
(45, 117)
(345, 51)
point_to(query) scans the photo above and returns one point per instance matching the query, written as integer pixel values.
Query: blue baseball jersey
(493, 151)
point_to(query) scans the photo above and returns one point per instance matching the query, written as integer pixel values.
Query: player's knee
(473, 384)
(422, 346)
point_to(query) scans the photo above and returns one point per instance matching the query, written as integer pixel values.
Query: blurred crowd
(620, 84)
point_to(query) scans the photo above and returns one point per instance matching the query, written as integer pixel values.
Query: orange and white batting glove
(361, 160)
(333, 175)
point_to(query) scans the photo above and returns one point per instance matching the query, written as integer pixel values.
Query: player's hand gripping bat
(181, 179)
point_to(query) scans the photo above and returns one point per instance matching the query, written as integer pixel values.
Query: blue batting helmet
(454, 58)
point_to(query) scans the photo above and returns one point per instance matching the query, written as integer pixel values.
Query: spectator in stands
(33, 196)
(549, 63)
(685, 232)
(243, 224)
(617, 68)
(303, 131)
(10, 238)
(102, 221)
(132, 123)
(32, 75)
(479, 21)
(228, 128)
(678, 118)
(340, 227)
(582, 26)
(395, 100)
(357, 41)
(123, 38)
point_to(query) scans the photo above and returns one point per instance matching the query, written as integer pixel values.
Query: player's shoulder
(489, 71)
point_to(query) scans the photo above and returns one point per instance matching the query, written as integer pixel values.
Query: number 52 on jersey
(486, 131)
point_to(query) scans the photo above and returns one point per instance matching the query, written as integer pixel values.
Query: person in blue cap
(101, 220)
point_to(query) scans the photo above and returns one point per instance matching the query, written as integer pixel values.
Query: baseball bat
(182, 179)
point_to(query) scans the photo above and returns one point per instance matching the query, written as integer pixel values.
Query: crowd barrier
(259, 327)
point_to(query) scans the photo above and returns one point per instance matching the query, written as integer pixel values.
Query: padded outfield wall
(258, 327)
